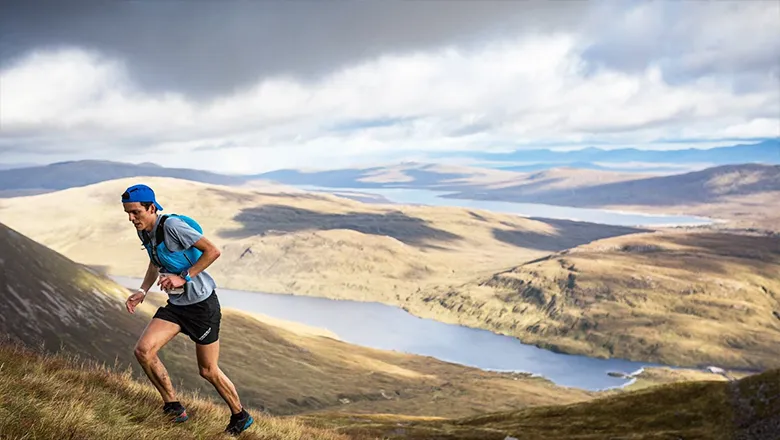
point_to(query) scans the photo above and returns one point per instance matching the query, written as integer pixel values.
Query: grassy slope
(43, 396)
(672, 297)
(47, 299)
(288, 371)
(59, 397)
(705, 410)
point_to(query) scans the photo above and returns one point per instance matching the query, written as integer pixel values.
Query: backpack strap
(158, 237)
(160, 232)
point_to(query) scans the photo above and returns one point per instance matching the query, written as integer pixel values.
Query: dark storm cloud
(206, 48)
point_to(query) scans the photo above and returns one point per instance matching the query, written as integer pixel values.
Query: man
(193, 307)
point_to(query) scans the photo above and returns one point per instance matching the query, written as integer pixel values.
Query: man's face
(142, 218)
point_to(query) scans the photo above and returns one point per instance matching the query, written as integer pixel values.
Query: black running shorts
(199, 321)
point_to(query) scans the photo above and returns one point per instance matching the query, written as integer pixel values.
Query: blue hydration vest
(162, 257)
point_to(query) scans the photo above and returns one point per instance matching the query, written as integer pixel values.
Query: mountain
(45, 298)
(62, 175)
(49, 301)
(623, 167)
(403, 175)
(10, 166)
(767, 151)
(41, 179)
(743, 196)
(703, 186)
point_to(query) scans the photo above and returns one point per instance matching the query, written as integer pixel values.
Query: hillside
(402, 175)
(44, 398)
(748, 194)
(47, 299)
(32, 179)
(705, 186)
(678, 298)
(565, 179)
(289, 370)
(454, 265)
(303, 243)
(748, 409)
(58, 397)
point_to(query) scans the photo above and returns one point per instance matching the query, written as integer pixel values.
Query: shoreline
(590, 372)
(378, 197)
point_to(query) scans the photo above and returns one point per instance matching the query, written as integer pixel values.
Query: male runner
(193, 307)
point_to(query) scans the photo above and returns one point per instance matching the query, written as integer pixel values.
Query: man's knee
(209, 372)
(144, 352)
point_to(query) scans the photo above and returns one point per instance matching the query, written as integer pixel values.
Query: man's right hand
(134, 299)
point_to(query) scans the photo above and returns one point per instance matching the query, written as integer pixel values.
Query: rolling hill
(563, 187)
(677, 298)
(45, 297)
(403, 175)
(297, 242)
(714, 287)
(454, 265)
(63, 175)
(27, 180)
(747, 195)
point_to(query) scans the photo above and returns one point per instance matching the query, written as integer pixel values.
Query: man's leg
(208, 357)
(158, 333)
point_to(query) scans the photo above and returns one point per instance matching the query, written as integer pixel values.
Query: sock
(175, 405)
(239, 414)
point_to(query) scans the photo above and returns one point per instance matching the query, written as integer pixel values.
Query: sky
(243, 87)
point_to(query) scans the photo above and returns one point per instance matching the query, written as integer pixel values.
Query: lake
(434, 198)
(387, 327)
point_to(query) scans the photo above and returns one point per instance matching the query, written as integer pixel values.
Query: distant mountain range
(767, 151)
(705, 186)
(62, 175)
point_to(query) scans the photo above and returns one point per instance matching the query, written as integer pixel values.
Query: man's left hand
(170, 282)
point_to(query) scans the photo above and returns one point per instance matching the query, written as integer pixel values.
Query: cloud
(565, 86)
(734, 41)
(205, 49)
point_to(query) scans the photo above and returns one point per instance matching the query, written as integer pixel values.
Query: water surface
(603, 216)
(385, 327)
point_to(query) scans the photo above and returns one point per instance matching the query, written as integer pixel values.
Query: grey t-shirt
(178, 237)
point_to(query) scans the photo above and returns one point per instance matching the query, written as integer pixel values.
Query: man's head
(141, 206)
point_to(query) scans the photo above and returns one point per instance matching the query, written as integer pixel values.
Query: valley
(572, 287)
(688, 297)
(284, 367)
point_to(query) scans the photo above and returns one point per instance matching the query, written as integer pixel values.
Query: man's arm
(210, 254)
(151, 276)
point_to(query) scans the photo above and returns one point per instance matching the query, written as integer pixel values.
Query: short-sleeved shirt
(178, 237)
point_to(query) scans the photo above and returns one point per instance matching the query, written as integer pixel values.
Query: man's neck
(151, 227)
